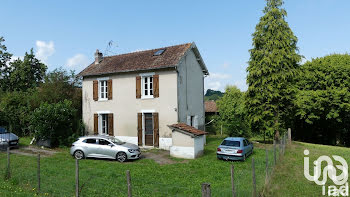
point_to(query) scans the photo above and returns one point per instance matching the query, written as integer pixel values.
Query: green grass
(24, 141)
(288, 178)
(107, 178)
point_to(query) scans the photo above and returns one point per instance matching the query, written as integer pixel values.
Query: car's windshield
(231, 143)
(117, 141)
(2, 130)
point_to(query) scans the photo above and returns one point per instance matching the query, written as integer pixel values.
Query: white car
(104, 147)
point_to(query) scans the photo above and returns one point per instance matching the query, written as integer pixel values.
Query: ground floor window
(104, 124)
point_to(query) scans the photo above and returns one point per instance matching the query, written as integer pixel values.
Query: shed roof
(187, 129)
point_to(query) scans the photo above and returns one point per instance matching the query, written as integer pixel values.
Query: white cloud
(78, 61)
(14, 58)
(241, 84)
(219, 76)
(44, 50)
(214, 85)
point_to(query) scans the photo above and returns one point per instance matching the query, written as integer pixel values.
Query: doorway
(148, 118)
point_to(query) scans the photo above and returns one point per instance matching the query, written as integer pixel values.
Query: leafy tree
(15, 109)
(323, 100)
(26, 74)
(272, 65)
(5, 58)
(54, 122)
(232, 112)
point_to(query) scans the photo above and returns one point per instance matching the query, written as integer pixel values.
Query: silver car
(104, 147)
(7, 138)
(234, 148)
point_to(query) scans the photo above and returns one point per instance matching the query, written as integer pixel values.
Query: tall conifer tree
(272, 66)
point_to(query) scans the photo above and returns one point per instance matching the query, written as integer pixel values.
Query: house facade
(135, 96)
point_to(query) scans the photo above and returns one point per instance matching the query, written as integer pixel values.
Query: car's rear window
(231, 143)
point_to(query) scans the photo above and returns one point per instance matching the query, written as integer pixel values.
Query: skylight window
(159, 52)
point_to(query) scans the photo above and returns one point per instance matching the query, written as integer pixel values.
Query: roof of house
(143, 60)
(210, 106)
(188, 129)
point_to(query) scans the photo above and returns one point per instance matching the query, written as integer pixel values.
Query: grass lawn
(288, 178)
(107, 178)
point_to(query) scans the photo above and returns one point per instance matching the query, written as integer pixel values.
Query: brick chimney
(98, 56)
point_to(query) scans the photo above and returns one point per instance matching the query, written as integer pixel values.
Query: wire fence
(87, 181)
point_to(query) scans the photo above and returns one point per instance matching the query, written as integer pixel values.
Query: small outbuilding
(187, 141)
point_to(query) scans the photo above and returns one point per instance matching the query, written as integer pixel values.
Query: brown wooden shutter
(95, 90)
(156, 129)
(139, 128)
(109, 86)
(138, 86)
(96, 124)
(110, 125)
(155, 86)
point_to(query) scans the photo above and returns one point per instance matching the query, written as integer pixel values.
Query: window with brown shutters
(138, 87)
(139, 128)
(156, 129)
(156, 86)
(96, 124)
(110, 125)
(95, 90)
(109, 86)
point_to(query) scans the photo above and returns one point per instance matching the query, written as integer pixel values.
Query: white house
(135, 96)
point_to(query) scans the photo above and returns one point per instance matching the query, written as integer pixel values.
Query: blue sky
(67, 33)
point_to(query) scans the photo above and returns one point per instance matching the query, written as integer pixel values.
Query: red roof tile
(137, 61)
(187, 128)
(210, 106)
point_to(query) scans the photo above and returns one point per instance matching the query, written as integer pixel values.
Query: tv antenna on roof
(109, 49)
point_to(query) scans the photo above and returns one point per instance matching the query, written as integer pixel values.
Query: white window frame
(148, 76)
(100, 122)
(100, 81)
(103, 124)
(143, 125)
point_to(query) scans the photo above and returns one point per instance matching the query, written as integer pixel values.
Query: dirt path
(160, 156)
(33, 151)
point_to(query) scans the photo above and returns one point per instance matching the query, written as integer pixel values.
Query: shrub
(54, 121)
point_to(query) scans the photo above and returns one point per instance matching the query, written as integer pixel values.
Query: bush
(232, 113)
(54, 122)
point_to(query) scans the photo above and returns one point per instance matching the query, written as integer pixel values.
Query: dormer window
(159, 52)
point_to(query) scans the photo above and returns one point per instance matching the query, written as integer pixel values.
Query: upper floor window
(147, 84)
(103, 90)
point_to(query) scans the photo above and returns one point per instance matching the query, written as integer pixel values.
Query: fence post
(254, 182)
(232, 181)
(76, 177)
(206, 192)
(128, 180)
(38, 173)
(267, 166)
(8, 170)
(289, 136)
(274, 153)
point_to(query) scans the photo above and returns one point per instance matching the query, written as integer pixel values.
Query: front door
(148, 118)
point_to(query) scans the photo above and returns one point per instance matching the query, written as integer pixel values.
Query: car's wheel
(79, 154)
(244, 157)
(121, 157)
